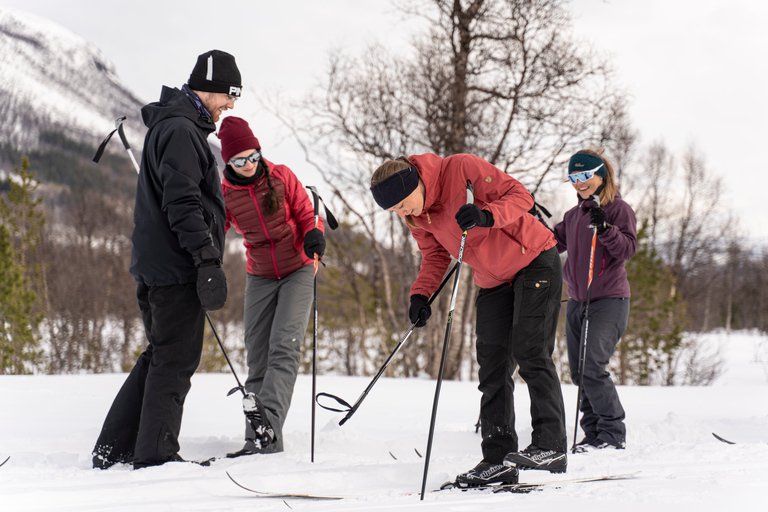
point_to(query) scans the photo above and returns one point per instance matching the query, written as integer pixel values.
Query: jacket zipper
(252, 193)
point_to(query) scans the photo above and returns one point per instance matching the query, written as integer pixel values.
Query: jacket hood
(174, 103)
(430, 167)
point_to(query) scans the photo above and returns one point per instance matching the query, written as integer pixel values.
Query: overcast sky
(696, 69)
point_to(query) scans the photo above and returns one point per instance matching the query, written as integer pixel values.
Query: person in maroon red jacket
(268, 205)
(518, 271)
(591, 174)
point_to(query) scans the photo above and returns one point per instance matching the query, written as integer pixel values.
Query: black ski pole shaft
(330, 222)
(314, 338)
(402, 341)
(226, 356)
(470, 199)
(583, 347)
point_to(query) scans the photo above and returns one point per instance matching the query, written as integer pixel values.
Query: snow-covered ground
(49, 423)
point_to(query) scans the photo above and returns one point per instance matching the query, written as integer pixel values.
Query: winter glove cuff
(207, 256)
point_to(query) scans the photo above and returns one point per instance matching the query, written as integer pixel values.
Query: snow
(49, 425)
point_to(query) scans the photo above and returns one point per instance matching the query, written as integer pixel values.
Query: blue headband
(397, 187)
(581, 162)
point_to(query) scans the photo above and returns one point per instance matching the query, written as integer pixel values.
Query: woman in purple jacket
(591, 174)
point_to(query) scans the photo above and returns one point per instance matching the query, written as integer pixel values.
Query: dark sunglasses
(240, 162)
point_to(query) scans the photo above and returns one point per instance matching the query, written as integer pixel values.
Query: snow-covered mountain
(51, 79)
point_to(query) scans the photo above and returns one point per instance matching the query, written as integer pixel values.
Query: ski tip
(6, 460)
(722, 439)
(392, 455)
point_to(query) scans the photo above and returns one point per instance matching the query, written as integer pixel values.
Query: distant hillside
(52, 79)
(59, 98)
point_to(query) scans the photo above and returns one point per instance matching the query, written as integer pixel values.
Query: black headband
(397, 187)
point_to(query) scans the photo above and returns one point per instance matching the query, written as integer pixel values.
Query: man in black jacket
(178, 242)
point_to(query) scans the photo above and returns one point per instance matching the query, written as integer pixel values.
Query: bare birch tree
(502, 79)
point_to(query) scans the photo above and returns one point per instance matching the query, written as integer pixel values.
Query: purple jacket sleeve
(559, 233)
(619, 240)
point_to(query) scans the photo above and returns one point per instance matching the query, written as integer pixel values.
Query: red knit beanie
(236, 136)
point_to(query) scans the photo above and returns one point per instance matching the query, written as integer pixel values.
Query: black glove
(419, 312)
(470, 216)
(211, 280)
(314, 242)
(597, 219)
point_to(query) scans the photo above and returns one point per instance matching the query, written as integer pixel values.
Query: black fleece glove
(314, 242)
(419, 312)
(211, 280)
(597, 219)
(470, 215)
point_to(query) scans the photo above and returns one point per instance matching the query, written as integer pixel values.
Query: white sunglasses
(583, 175)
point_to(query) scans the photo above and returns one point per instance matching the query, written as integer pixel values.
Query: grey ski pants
(276, 315)
(602, 413)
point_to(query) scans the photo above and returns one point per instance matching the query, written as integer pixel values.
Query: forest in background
(499, 79)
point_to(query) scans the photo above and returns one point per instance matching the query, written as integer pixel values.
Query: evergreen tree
(655, 331)
(17, 341)
(21, 227)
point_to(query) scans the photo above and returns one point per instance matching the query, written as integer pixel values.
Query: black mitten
(211, 280)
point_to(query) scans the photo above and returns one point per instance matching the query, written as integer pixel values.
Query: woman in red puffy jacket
(518, 271)
(268, 205)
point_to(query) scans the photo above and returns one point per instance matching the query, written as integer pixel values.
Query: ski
(283, 495)
(524, 488)
(722, 439)
(6, 460)
(528, 487)
(519, 488)
(415, 450)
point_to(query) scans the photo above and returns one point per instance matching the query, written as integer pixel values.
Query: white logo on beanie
(209, 73)
(234, 90)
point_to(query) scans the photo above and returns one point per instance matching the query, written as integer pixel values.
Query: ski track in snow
(50, 423)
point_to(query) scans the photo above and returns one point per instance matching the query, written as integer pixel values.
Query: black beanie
(216, 71)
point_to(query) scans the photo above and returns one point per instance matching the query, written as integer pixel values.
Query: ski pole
(121, 134)
(99, 152)
(331, 221)
(351, 409)
(470, 200)
(583, 348)
(314, 336)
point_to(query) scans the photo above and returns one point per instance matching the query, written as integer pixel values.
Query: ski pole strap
(339, 400)
(537, 206)
(120, 133)
(329, 218)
